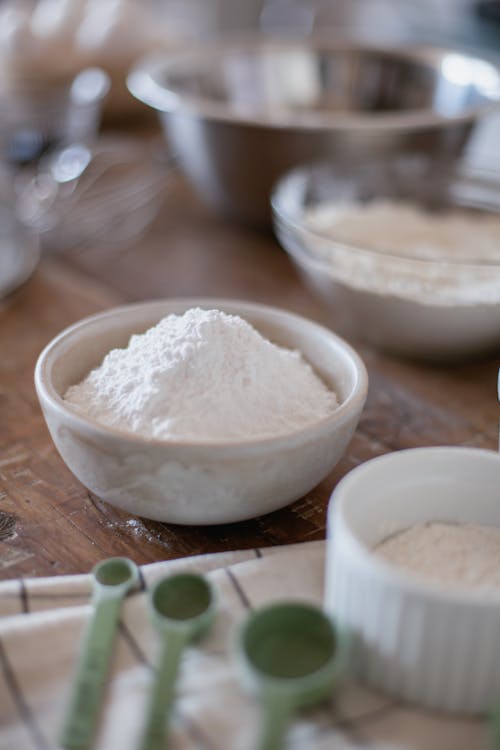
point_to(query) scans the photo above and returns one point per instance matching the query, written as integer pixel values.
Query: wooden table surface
(50, 524)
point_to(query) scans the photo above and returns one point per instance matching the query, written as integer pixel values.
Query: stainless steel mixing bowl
(241, 114)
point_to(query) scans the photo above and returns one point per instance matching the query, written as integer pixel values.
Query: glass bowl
(35, 120)
(19, 246)
(403, 297)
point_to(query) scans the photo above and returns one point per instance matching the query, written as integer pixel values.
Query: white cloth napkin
(41, 622)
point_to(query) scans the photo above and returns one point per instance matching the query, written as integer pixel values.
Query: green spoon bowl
(183, 610)
(183, 602)
(116, 572)
(291, 655)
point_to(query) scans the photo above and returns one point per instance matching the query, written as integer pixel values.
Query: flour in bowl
(465, 554)
(203, 376)
(397, 248)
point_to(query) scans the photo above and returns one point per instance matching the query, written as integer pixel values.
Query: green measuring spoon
(291, 655)
(113, 578)
(183, 609)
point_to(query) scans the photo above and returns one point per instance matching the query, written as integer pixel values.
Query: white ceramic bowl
(197, 483)
(424, 642)
(408, 304)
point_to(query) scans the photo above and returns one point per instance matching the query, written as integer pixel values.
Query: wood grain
(56, 526)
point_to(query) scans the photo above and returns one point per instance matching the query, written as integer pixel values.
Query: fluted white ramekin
(435, 645)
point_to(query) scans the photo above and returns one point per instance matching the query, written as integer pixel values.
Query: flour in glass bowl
(203, 376)
(390, 247)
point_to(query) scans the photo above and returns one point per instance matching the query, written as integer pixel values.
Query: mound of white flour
(203, 376)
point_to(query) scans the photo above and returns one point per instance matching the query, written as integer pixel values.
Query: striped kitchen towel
(41, 622)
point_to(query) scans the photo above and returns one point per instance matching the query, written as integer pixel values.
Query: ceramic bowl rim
(354, 401)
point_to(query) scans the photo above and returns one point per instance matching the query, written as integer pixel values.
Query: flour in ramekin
(465, 554)
(397, 248)
(203, 376)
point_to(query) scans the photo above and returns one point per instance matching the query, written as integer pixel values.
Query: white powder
(465, 554)
(400, 237)
(203, 376)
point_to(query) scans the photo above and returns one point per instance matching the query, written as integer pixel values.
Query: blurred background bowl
(240, 114)
(19, 246)
(410, 303)
(35, 120)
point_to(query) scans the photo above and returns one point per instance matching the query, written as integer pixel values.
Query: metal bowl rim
(143, 83)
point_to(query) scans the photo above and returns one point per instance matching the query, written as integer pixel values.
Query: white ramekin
(435, 645)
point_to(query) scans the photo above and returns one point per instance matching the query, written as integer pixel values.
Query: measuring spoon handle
(91, 671)
(277, 715)
(162, 696)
